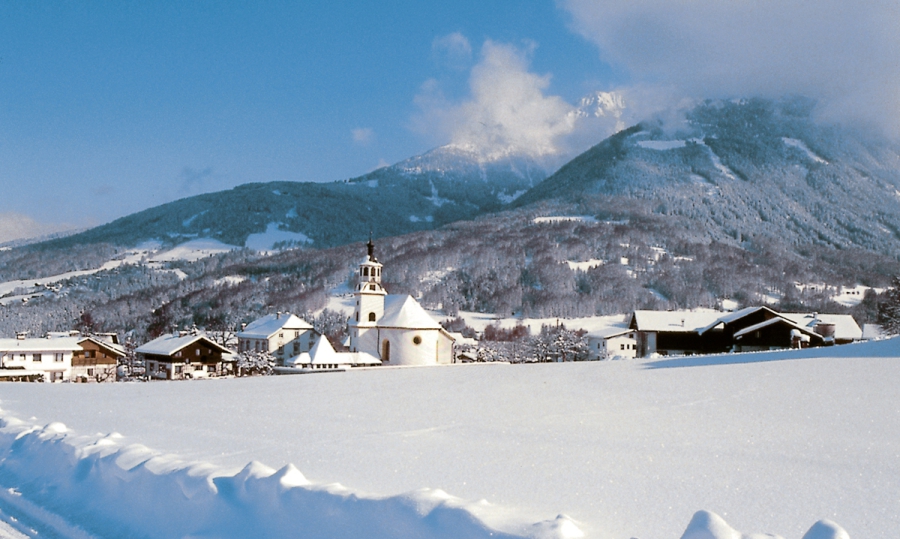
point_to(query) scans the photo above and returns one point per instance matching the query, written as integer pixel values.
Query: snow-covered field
(770, 442)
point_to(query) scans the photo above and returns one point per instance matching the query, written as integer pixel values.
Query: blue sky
(110, 108)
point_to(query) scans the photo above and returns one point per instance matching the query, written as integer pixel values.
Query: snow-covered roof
(302, 359)
(402, 311)
(845, 326)
(736, 315)
(606, 333)
(674, 321)
(168, 344)
(362, 358)
(271, 324)
(773, 321)
(57, 344)
(322, 353)
(115, 348)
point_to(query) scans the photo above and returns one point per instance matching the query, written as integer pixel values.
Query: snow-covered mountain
(444, 185)
(746, 172)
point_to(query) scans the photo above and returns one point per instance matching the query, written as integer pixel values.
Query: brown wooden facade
(199, 359)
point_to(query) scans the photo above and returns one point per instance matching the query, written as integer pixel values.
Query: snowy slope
(626, 449)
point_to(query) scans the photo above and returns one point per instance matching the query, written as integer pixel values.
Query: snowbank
(706, 525)
(111, 489)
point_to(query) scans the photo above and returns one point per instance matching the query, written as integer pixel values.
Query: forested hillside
(445, 185)
(512, 263)
(744, 171)
(738, 202)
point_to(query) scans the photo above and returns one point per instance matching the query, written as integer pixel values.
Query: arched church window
(386, 351)
(371, 317)
(365, 272)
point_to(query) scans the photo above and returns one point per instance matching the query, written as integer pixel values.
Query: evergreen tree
(889, 309)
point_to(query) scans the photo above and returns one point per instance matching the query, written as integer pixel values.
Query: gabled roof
(116, 349)
(772, 322)
(265, 327)
(736, 315)
(57, 344)
(607, 333)
(673, 321)
(402, 311)
(322, 353)
(167, 345)
(845, 326)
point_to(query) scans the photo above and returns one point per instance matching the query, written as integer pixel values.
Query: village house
(673, 332)
(185, 355)
(612, 343)
(97, 360)
(284, 335)
(48, 359)
(394, 328)
(750, 329)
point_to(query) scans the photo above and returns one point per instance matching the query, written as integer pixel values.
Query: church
(394, 327)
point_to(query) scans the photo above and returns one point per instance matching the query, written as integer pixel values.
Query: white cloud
(362, 135)
(845, 54)
(15, 226)
(452, 50)
(507, 111)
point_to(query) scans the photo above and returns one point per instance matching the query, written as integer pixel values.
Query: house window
(371, 317)
(621, 347)
(178, 369)
(88, 353)
(281, 335)
(178, 353)
(371, 287)
(58, 357)
(197, 352)
(90, 371)
(36, 357)
(210, 368)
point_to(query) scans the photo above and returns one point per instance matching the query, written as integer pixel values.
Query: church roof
(404, 312)
(323, 352)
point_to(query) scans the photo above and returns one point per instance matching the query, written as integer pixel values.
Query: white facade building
(51, 358)
(612, 343)
(394, 328)
(284, 335)
(323, 357)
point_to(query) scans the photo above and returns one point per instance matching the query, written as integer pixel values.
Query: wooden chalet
(750, 329)
(97, 360)
(185, 355)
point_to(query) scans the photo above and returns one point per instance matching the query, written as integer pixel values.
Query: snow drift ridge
(115, 490)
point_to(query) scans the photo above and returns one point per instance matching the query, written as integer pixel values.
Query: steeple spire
(371, 248)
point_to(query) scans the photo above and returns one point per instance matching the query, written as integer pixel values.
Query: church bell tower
(369, 304)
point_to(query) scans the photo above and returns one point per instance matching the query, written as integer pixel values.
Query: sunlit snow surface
(265, 241)
(770, 442)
